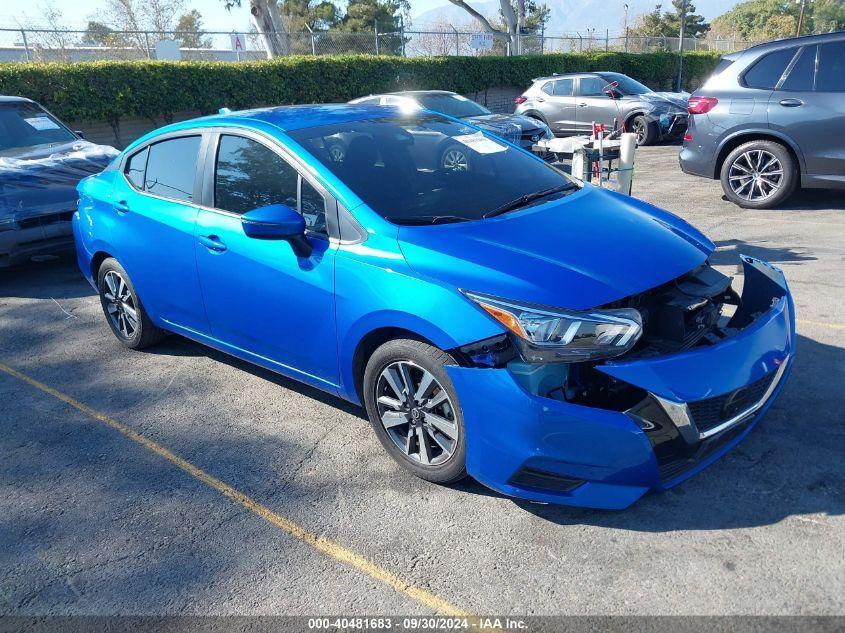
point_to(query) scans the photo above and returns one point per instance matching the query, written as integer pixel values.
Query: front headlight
(552, 335)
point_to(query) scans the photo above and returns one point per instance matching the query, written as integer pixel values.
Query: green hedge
(112, 90)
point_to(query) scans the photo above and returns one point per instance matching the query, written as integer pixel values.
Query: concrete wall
(129, 128)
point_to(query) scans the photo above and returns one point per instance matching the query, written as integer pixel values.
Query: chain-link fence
(68, 45)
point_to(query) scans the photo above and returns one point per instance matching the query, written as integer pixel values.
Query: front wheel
(759, 175)
(646, 131)
(414, 409)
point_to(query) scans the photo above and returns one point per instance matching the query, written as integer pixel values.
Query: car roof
(406, 93)
(288, 118)
(586, 73)
(835, 36)
(12, 99)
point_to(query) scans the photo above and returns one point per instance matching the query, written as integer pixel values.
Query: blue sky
(76, 12)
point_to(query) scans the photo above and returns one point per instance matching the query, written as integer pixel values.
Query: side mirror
(277, 222)
(79, 133)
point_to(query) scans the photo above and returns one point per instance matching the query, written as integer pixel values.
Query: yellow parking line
(320, 543)
(835, 326)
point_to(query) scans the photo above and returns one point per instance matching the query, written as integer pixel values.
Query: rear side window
(591, 87)
(803, 72)
(171, 168)
(136, 167)
(721, 66)
(831, 73)
(766, 73)
(564, 87)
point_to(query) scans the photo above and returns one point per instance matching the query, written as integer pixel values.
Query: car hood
(581, 251)
(42, 180)
(507, 126)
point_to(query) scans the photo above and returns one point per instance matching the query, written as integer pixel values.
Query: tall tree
(269, 23)
(512, 14)
(659, 23)
(757, 20)
(189, 31)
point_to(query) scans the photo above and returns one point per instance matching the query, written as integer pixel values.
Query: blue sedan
(558, 342)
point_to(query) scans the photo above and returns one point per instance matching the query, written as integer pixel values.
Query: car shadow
(53, 278)
(806, 200)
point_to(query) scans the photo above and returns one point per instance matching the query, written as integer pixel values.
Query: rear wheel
(123, 309)
(759, 175)
(414, 409)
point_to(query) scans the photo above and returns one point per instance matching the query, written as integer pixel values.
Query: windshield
(28, 125)
(453, 105)
(627, 85)
(424, 169)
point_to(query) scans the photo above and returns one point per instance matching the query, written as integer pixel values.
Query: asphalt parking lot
(285, 502)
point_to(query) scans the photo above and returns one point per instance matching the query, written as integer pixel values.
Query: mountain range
(567, 16)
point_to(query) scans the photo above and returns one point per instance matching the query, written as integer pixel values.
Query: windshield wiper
(528, 198)
(429, 219)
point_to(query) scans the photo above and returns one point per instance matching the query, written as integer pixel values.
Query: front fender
(376, 289)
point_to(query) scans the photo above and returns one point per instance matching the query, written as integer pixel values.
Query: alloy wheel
(417, 413)
(455, 160)
(639, 130)
(120, 304)
(756, 175)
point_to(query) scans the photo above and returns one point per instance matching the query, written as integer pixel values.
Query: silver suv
(770, 119)
(570, 104)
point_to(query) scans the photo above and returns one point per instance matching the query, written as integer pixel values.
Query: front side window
(627, 85)
(423, 169)
(250, 175)
(592, 87)
(766, 73)
(24, 125)
(831, 74)
(172, 167)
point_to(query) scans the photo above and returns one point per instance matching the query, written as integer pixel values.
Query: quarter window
(171, 168)
(136, 167)
(766, 73)
(313, 208)
(831, 74)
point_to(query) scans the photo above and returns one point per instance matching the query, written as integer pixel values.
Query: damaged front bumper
(698, 405)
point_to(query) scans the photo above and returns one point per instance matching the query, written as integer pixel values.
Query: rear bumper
(541, 449)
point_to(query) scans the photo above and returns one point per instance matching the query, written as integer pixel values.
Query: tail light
(701, 105)
(520, 100)
(687, 136)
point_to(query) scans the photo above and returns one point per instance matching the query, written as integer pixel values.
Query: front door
(260, 296)
(594, 104)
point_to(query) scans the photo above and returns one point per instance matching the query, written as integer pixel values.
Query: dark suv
(771, 118)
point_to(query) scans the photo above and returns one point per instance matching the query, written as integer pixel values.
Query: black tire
(144, 333)
(731, 169)
(646, 131)
(431, 359)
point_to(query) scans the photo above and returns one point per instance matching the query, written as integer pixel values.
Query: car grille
(670, 467)
(45, 220)
(711, 412)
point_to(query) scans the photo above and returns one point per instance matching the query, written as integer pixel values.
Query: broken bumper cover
(536, 448)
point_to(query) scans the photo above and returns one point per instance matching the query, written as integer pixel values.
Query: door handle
(791, 103)
(121, 206)
(582, 105)
(212, 243)
(539, 99)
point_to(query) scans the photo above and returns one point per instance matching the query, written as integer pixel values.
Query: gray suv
(571, 103)
(770, 119)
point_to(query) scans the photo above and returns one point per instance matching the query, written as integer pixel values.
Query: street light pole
(681, 47)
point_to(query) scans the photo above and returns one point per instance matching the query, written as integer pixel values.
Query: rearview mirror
(277, 222)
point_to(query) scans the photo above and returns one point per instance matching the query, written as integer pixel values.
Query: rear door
(152, 232)
(557, 103)
(593, 104)
(809, 104)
